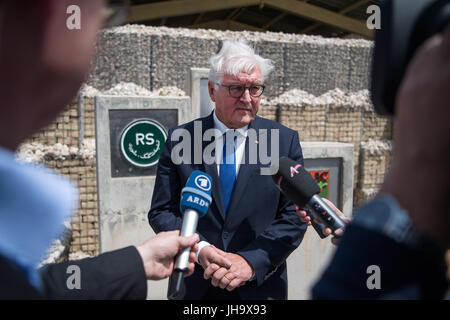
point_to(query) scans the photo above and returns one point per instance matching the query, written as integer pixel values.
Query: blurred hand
(420, 172)
(158, 253)
(235, 276)
(338, 233)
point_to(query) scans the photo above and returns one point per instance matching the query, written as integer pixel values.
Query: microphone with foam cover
(298, 185)
(195, 201)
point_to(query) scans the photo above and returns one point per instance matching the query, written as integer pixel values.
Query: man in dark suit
(41, 73)
(250, 228)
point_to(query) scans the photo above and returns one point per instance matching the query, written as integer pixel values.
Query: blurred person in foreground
(403, 233)
(42, 66)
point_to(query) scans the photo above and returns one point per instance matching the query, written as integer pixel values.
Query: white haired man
(250, 228)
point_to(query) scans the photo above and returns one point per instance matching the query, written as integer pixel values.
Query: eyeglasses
(116, 13)
(237, 90)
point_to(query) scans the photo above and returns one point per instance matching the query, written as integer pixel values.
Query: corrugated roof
(317, 17)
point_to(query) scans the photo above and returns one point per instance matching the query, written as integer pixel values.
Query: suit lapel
(211, 169)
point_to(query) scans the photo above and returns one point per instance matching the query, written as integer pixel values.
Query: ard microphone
(298, 185)
(195, 201)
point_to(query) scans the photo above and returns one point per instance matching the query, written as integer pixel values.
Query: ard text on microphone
(191, 150)
(195, 201)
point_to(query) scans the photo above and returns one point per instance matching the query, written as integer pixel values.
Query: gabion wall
(156, 57)
(301, 94)
(68, 145)
(343, 117)
(69, 149)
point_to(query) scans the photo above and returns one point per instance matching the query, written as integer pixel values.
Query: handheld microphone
(298, 185)
(195, 201)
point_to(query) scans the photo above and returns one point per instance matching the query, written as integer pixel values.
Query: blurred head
(42, 62)
(237, 64)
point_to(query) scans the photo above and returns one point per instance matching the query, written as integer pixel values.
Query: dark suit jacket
(405, 273)
(117, 274)
(261, 224)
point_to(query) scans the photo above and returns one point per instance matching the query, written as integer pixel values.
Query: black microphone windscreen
(295, 181)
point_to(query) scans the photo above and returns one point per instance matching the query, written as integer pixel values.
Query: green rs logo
(141, 142)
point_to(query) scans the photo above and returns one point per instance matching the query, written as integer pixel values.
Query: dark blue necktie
(228, 168)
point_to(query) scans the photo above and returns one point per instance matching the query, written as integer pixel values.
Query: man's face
(236, 112)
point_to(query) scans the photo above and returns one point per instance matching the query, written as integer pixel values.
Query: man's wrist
(201, 245)
(253, 276)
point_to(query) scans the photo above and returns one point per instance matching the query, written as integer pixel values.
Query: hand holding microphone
(304, 217)
(195, 201)
(158, 253)
(298, 185)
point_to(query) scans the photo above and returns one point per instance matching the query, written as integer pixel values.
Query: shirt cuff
(201, 245)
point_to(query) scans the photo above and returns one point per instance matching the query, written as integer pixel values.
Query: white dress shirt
(240, 142)
(240, 148)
